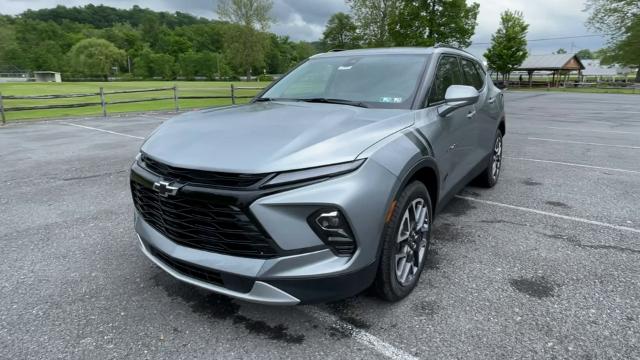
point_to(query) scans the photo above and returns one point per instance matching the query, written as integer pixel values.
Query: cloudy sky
(305, 19)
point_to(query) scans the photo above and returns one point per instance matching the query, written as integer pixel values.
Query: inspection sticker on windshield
(345, 67)
(395, 100)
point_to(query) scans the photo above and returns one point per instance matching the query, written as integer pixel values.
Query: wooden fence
(103, 103)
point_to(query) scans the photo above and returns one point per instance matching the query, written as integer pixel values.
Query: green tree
(203, 64)
(430, 22)
(585, 54)
(626, 51)
(9, 49)
(157, 44)
(372, 20)
(341, 32)
(612, 17)
(255, 14)
(245, 50)
(124, 36)
(620, 19)
(150, 65)
(246, 47)
(560, 51)
(509, 44)
(95, 57)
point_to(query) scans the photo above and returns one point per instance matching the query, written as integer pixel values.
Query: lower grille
(202, 224)
(185, 268)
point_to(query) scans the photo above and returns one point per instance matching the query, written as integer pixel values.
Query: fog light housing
(332, 227)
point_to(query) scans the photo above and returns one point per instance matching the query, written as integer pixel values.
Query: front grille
(185, 268)
(202, 224)
(200, 176)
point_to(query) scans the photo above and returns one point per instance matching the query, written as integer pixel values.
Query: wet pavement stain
(339, 333)
(537, 287)
(558, 204)
(277, 332)
(426, 308)
(222, 308)
(344, 310)
(572, 240)
(447, 232)
(609, 247)
(458, 207)
(503, 222)
(433, 260)
(567, 238)
(531, 182)
(86, 177)
(467, 192)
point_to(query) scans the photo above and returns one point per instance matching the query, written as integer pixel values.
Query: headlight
(314, 173)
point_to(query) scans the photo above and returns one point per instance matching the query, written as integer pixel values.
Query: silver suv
(324, 185)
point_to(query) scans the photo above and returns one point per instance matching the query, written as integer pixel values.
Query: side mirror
(458, 96)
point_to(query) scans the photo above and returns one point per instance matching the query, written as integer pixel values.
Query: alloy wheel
(412, 241)
(497, 158)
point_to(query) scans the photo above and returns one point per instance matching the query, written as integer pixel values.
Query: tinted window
(382, 81)
(471, 75)
(480, 70)
(447, 74)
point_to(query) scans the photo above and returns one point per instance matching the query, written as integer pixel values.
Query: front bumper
(261, 292)
(307, 271)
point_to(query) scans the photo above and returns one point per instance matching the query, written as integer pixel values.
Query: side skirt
(477, 170)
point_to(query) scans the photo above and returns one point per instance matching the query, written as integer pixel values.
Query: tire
(489, 177)
(395, 280)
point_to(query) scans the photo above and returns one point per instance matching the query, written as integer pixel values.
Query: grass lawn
(185, 88)
(581, 90)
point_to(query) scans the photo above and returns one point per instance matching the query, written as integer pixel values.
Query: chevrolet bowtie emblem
(165, 189)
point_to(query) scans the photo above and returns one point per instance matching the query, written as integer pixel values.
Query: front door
(453, 135)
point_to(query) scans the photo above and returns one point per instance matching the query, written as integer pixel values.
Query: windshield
(379, 81)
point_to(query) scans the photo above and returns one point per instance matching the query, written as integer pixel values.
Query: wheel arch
(426, 171)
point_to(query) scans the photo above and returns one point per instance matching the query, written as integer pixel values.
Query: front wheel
(405, 244)
(489, 177)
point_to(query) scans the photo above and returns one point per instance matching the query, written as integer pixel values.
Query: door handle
(471, 114)
(492, 100)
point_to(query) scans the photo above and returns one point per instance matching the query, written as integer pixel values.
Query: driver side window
(447, 74)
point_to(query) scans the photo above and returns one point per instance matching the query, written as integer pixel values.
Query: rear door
(482, 117)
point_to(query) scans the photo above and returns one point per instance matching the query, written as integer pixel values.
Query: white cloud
(305, 20)
(546, 19)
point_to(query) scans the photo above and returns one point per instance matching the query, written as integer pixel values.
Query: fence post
(175, 97)
(103, 103)
(233, 94)
(4, 119)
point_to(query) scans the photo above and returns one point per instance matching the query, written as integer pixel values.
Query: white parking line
(103, 130)
(573, 164)
(546, 213)
(591, 130)
(151, 116)
(359, 335)
(585, 143)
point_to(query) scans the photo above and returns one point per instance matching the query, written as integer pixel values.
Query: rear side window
(471, 75)
(447, 74)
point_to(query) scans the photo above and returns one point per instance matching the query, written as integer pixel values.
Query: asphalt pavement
(544, 265)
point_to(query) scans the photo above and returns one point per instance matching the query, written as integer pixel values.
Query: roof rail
(336, 50)
(452, 47)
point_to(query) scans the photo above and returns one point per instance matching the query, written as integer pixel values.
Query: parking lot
(544, 265)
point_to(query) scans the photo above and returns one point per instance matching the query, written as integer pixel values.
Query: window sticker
(345, 67)
(388, 99)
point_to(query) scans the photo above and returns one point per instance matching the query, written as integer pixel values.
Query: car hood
(271, 136)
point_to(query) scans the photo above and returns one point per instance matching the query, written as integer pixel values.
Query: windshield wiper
(336, 101)
(268, 99)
